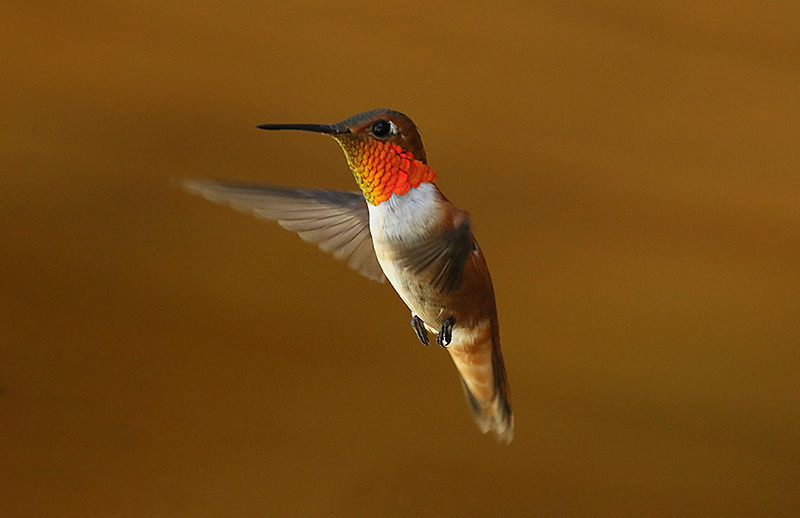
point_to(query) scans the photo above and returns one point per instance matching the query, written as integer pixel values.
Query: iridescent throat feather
(383, 168)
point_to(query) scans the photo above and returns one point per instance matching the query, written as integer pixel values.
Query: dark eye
(381, 128)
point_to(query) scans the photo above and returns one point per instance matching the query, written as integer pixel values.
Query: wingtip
(193, 185)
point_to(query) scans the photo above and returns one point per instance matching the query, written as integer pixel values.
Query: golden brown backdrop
(632, 172)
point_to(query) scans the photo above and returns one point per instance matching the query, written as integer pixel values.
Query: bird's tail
(483, 378)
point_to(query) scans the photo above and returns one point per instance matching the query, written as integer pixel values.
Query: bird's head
(383, 149)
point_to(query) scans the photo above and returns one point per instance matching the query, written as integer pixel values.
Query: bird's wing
(444, 256)
(338, 221)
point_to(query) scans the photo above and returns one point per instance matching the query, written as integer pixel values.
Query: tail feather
(483, 379)
(493, 417)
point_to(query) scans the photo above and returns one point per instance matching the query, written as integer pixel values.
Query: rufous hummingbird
(400, 227)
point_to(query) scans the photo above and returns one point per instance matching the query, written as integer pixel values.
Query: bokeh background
(632, 173)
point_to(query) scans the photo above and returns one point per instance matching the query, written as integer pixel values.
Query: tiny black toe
(419, 327)
(446, 332)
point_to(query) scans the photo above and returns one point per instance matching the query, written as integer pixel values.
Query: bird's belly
(417, 294)
(412, 218)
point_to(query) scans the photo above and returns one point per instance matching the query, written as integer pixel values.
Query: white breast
(406, 217)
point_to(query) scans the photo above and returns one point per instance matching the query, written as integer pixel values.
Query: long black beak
(330, 129)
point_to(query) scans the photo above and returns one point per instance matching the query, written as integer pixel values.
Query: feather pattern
(444, 255)
(338, 221)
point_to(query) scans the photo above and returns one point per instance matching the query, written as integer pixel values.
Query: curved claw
(419, 326)
(446, 332)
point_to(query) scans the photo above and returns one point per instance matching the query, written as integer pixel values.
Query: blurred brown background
(632, 172)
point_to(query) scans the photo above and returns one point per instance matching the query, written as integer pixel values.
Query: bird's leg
(446, 332)
(419, 326)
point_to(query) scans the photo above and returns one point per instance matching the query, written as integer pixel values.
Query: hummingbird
(400, 228)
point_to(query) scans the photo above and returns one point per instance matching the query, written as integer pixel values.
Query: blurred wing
(338, 221)
(445, 256)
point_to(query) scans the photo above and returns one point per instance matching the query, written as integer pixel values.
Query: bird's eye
(381, 128)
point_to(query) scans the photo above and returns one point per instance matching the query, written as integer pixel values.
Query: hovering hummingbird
(400, 227)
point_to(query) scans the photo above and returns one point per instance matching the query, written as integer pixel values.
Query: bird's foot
(446, 332)
(419, 326)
